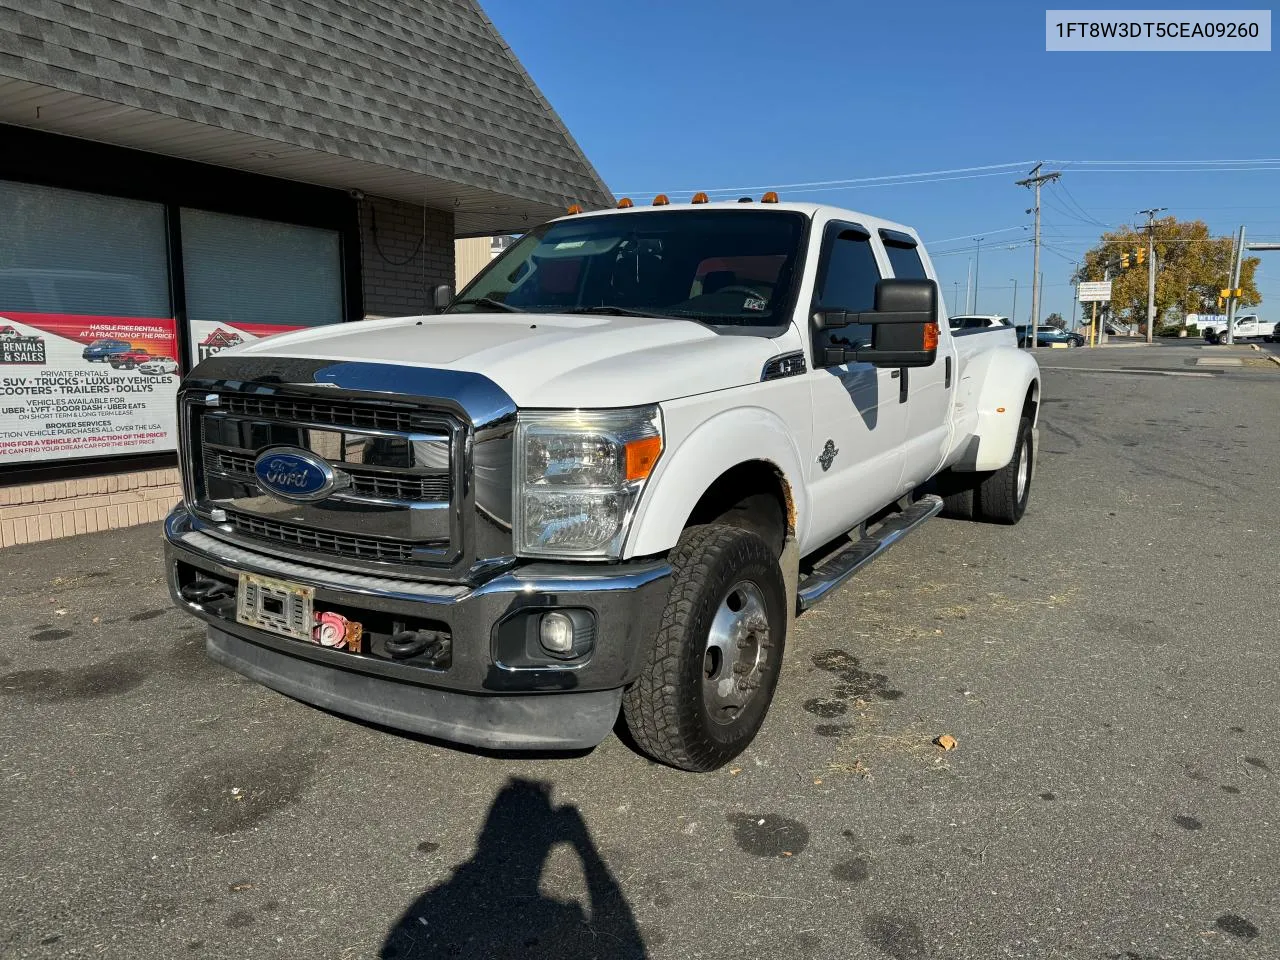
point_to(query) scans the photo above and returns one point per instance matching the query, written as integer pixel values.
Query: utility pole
(1014, 315)
(977, 261)
(1235, 285)
(1037, 179)
(1151, 269)
(1075, 292)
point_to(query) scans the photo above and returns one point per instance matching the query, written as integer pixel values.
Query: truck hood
(549, 360)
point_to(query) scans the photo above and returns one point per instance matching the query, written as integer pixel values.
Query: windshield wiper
(609, 310)
(489, 302)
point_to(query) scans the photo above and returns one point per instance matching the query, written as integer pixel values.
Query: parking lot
(1108, 669)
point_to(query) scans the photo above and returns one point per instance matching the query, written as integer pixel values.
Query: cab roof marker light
(700, 197)
(624, 203)
(770, 197)
(575, 208)
(661, 200)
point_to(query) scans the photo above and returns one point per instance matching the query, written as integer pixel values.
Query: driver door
(859, 419)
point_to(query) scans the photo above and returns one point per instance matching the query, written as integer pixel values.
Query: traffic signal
(1140, 254)
(1219, 304)
(1124, 262)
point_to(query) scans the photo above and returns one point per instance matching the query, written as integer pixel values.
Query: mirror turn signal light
(930, 336)
(770, 197)
(575, 208)
(661, 200)
(700, 197)
(624, 203)
(642, 454)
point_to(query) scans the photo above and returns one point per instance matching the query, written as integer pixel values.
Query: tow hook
(205, 591)
(413, 643)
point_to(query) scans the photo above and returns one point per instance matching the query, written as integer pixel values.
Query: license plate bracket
(277, 606)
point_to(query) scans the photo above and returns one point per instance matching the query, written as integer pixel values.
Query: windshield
(730, 267)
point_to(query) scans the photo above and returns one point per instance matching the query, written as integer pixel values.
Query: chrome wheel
(737, 652)
(1024, 472)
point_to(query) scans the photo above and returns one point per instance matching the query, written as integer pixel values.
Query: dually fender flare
(684, 474)
(1009, 376)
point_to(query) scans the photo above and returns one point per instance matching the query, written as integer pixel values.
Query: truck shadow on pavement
(492, 906)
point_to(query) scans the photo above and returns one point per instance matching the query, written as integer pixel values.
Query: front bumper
(475, 698)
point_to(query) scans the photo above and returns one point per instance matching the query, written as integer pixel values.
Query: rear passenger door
(927, 390)
(858, 422)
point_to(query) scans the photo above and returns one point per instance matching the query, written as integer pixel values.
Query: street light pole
(977, 260)
(1015, 304)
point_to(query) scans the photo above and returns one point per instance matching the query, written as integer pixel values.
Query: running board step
(836, 569)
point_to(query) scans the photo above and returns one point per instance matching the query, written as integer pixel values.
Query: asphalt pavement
(1108, 669)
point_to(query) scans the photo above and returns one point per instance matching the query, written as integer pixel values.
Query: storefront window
(88, 344)
(247, 278)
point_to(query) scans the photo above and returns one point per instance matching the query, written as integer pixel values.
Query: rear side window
(904, 257)
(849, 276)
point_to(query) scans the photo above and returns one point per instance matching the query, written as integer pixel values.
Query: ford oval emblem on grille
(293, 474)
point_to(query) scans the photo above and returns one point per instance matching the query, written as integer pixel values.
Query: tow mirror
(442, 296)
(904, 327)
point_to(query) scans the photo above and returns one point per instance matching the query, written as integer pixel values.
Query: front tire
(710, 674)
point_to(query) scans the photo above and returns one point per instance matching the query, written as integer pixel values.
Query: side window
(849, 275)
(903, 255)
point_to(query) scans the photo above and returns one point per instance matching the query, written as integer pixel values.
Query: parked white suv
(603, 481)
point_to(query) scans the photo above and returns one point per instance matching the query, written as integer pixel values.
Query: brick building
(177, 178)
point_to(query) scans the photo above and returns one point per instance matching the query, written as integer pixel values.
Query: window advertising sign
(88, 344)
(80, 386)
(210, 337)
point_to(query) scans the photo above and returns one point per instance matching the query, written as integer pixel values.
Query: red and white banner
(209, 338)
(86, 386)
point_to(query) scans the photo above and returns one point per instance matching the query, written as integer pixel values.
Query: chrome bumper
(481, 696)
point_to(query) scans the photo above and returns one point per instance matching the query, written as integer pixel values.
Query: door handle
(896, 374)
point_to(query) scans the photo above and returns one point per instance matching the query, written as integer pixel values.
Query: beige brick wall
(62, 508)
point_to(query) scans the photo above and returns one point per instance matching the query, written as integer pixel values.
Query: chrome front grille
(305, 538)
(374, 484)
(397, 471)
(318, 411)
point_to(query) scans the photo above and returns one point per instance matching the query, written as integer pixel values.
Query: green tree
(1191, 268)
(1055, 320)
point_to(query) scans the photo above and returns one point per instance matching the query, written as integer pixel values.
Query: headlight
(579, 474)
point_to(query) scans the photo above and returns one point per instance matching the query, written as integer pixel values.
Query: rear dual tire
(999, 496)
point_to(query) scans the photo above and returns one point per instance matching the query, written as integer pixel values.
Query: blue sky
(671, 96)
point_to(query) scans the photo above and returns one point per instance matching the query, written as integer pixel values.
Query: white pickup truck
(1248, 326)
(604, 480)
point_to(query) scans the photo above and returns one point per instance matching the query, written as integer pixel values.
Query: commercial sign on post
(1095, 291)
(83, 386)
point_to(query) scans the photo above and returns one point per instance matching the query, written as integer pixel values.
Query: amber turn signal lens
(642, 454)
(700, 197)
(770, 197)
(661, 200)
(931, 336)
(624, 203)
(575, 208)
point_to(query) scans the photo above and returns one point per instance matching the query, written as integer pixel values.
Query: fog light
(555, 633)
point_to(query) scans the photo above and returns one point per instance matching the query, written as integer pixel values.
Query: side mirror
(904, 326)
(442, 296)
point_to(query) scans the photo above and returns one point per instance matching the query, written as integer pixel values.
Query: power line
(828, 183)
(985, 233)
(1165, 162)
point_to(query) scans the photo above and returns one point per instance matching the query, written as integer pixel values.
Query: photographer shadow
(492, 908)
